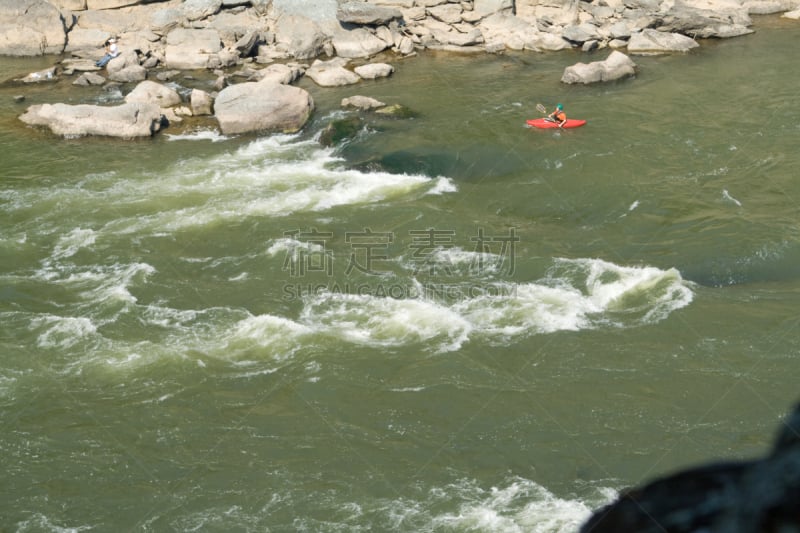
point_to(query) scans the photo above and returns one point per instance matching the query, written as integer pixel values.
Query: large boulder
(509, 31)
(31, 28)
(356, 43)
(323, 12)
(704, 23)
(615, 66)
(191, 49)
(300, 36)
(580, 33)
(737, 497)
(127, 120)
(649, 42)
(155, 93)
(262, 106)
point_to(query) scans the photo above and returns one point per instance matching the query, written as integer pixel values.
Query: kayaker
(558, 116)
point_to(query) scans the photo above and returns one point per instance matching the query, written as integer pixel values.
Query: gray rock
(191, 49)
(164, 20)
(262, 106)
(87, 39)
(280, 73)
(362, 102)
(702, 23)
(87, 79)
(357, 43)
(581, 33)
(620, 30)
(154, 93)
(31, 28)
(484, 8)
(129, 74)
(126, 121)
(73, 64)
(301, 36)
(650, 42)
(615, 66)
(512, 32)
(364, 13)
(201, 102)
(200, 9)
(372, 71)
(448, 13)
(248, 44)
(331, 73)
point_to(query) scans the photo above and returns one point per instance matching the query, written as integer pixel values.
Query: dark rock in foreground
(733, 497)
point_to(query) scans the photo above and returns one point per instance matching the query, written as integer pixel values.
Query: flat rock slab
(125, 121)
(364, 13)
(191, 49)
(649, 42)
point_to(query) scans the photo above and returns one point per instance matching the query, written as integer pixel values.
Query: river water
(451, 322)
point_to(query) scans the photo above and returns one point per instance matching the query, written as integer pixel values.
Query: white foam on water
(279, 337)
(726, 196)
(39, 522)
(271, 177)
(62, 332)
(69, 244)
(294, 247)
(517, 506)
(458, 260)
(98, 284)
(199, 135)
(381, 321)
(577, 294)
(443, 185)
(520, 506)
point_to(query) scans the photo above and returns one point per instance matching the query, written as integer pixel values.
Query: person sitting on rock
(558, 116)
(111, 52)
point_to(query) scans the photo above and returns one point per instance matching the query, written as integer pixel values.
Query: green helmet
(560, 107)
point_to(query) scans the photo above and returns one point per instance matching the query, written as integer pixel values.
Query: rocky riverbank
(258, 48)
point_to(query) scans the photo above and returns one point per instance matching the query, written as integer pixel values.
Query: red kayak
(544, 123)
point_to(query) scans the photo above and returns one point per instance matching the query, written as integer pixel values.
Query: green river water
(452, 322)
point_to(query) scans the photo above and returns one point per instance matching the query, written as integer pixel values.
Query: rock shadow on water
(474, 163)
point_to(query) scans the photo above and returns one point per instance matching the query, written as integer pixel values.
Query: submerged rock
(341, 129)
(396, 111)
